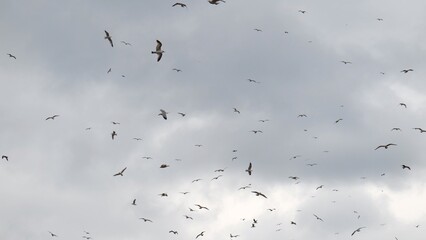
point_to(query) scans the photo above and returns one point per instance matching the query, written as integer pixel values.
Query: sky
(58, 178)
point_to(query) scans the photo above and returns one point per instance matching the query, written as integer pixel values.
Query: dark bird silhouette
(182, 114)
(216, 178)
(259, 194)
(421, 130)
(244, 187)
(138, 139)
(233, 236)
(346, 62)
(407, 70)
(379, 19)
(109, 70)
(256, 131)
(5, 157)
(201, 207)
(291, 222)
(338, 120)
(177, 70)
(236, 111)
(294, 178)
(163, 195)
(120, 173)
(52, 117)
(107, 36)
(311, 164)
(385, 146)
(249, 169)
(219, 170)
(318, 218)
(257, 30)
(164, 166)
(398, 129)
(184, 193)
(319, 187)
(403, 104)
(198, 145)
(115, 123)
(252, 80)
(263, 120)
(201, 234)
(158, 51)
(146, 219)
(196, 180)
(134, 202)
(302, 11)
(405, 167)
(357, 230)
(215, 2)
(271, 209)
(163, 113)
(174, 232)
(302, 115)
(188, 217)
(113, 134)
(11, 56)
(147, 157)
(179, 4)
(126, 43)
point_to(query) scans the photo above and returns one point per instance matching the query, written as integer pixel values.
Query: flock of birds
(164, 114)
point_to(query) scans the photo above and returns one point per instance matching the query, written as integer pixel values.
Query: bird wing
(106, 33)
(159, 44)
(160, 55)
(110, 41)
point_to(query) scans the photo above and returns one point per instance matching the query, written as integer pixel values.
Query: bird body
(120, 173)
(385, 146)
(248, 170)
(11, 56)
(259, 194)
(52, 117)
(179, 4)
(158, 51)
(163, 114)
(108, 37)
(5, 157)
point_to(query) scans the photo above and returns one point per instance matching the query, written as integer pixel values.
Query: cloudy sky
(59, 173)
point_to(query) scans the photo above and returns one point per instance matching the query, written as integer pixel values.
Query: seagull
(115, 123)
(184, 193)
(5, 157)
(319, 187)
(379, 19)
(196, 180)
(188, 217)
(407, 70)
(179, 4)
(338, 120)
(120, 173)
(302, 115)
(271, 209)
(113, 134)
(399, 129)
(198, 145)
(233, 236)
(252, 80)
(346, 62)
(134, 202)
(147, 157)
(52, 234)
(249, 169)
(163, 195)
(244, 187)
(201, 207)
(126, 43)
(302, 11)
(421, 130)
(138, 139)
(385, 146)
(107, 36)
(174, 232)
(294, 178)
(200, 234)
(259, 194)
(215, 2)
(405, 167)
(219, 170)
(146, 219)
(256, 131)
(403, 104)
(293, 223)
(163, 113)
(311, 164)
(257, 30)
(11, 56)
(52, 117)
(236, 110)
(158, 50)
(357, 230)
(263, 120)
(164, 166)
(109, 70)
(216, 178)
(318, 218)
(182, 114)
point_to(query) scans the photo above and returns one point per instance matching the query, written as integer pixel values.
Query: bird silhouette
(52, 117)
(163, 113)
(5, 157)
(407, 70)
(259, 194)
(120, 173)
(126, 43)
(421, 130)
(201, 234)
(357, 230)
(318, 218)
(179, 4)
(201, 207)
(52, 234)
(346, 62)
(215, 2)
(11, 56)
(248, 170)
(403, 104)
(164, 166)
(398, 129)
(158, 51)
(405, 167)
(182, 114)
(134, 202)
(236, 111)
(146, 219)
(107, 36)
(113, 135)
(174, 232)
(385, 146)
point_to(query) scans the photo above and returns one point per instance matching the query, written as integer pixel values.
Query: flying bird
(244, 187)
(196, 180)
(188, 217)
(126, 43)
(200, 234)
(421, 130)
(182, 114)
(177, 70)
(164, 166)
(302, 11)
(302, 115)
(403, 104)
(252, 80)
(248, 170)
(52, 117)
(113, 134)
(405, 167)
(163, 113)
(163, 195)
(407, 70)
(109, 70)
(146, 219)
(357, 230)
(134, 202)
(174, 232)
(120, 173)
(236, 111)
(399, 129)
(201, 207)
(115, 123)
(158, 51)
(137, 139)
(216, 178)
(257, 30)
(52, 234)
(259, 194)
(179, 4)
(319, 187)
(107, 36)
(233, 236)
(318, 218)
(11, 56)
(256, 131)
(338, 120)
(346, 62)
(263, 120)
(379, 19)
(216, 2)
(385, 146)
(5, 157)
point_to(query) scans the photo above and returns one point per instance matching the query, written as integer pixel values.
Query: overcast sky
(59, 174)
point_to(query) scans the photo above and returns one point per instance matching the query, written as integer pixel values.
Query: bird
(107, 36)
(201, 234)
(147, 157)
(164, 166)
(346, 62)
(319, 187)
(302, 11)
(399, 129)
(385, 146)
(198, 145)
(259, 194)
(311, 164)
(158, 51)
(163, 113)
(126, 43)
(252, 80)
(294, 178)
(163, 195)
(120, 173)
(244, 187)
(379, 19)
(52, 117)
(405, 167)
(257, 30)
(52, 234)
(357, 230)
(113, 134)
(338, 120)
(220, 170)
(137, 139)
(236, 111)
(179, 4)
(11, 56)
(174, 232)
(233, 158)
(188, 217)
(216, 178)
(196, 180)
(146, 219)
(109, 70)
(182, 114)
(318, 218)
(407, 70)
(256, 131)
(215, 2)
(184, 193)
(201, 207)
(271, 209)
(421, 130)
(248, 170)
(233, 236)
(403, 105)
(263, 120)
(177, 70)
(5, 157)
(302, 115)
(294, 157)
(115, 123)
(294, 223)
(134, 202)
